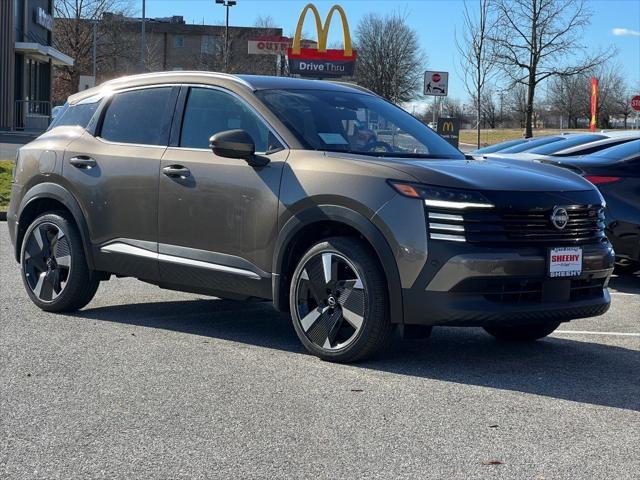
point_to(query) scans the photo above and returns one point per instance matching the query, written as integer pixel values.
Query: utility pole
(143, 43)
(95, 35)
(228, 4)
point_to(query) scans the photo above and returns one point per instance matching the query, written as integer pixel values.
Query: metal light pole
(227, 4)
(143, 42)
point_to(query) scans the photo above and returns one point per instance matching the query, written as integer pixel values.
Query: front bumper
(478, 286)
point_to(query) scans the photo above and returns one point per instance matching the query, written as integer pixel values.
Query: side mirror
(236, 144)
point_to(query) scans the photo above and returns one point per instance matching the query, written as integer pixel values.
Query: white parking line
(584, 332)
(624, 293)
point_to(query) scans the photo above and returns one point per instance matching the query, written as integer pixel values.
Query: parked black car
(616, 173)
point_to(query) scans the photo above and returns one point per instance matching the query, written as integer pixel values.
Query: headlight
(440, 197)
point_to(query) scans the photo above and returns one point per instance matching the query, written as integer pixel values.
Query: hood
(492, 174)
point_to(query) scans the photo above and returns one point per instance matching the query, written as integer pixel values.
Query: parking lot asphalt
(147, 383)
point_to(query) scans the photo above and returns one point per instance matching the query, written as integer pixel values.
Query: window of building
(211, 111)
(138, 116)
(178, 41)
(211, 44)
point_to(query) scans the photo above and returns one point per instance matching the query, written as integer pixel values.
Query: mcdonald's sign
(449, 129)
(321, 62)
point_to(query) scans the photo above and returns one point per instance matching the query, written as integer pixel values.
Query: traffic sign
(635, 103)
(436, 83)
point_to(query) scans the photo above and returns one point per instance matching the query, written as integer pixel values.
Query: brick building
(171, 44)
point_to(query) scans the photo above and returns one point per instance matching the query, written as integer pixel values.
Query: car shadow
(626, 283)
(578, 371)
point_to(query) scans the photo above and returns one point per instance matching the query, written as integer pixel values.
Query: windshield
(355, 123)
(523, 147)
(568, 142)
(620, 152)
(499, 146)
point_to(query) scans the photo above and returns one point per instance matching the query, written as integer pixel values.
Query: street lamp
(143, 40)
(227, 4)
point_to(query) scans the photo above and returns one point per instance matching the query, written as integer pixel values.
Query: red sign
(635, 103)
(594, 104)
(436, 77)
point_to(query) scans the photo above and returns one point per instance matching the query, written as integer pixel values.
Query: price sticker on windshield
(565, 262)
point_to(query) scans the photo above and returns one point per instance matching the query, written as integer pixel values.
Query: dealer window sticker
(333, 139)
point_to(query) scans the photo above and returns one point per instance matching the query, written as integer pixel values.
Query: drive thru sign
(436, 83)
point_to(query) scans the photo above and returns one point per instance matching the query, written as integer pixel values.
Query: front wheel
(522, 333)
(54, 268)
(339, 301)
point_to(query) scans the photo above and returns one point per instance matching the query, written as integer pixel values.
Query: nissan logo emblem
(559, 217)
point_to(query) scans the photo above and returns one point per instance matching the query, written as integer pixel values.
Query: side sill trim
(126, 249)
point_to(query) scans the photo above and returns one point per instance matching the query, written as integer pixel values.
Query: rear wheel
(522, 333)
(54, 268)
(339, 301)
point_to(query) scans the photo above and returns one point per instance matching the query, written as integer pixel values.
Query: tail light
(600, 180)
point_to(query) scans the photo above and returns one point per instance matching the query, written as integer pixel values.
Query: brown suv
(322, 197)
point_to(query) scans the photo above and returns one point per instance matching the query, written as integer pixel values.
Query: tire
(53, 265)
(345, 319)
(522, 333)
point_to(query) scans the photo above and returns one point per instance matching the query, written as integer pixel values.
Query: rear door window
(139, 116)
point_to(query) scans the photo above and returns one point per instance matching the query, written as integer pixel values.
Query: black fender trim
(351, 218)
(57, 192)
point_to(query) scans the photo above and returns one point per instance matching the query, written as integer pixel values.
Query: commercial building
(27, 59)
(170, 44)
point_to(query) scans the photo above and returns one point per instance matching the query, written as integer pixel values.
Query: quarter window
(210, 111)
(138, 116)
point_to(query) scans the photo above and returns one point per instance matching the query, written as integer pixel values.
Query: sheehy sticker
(333, 139)
(565, 262)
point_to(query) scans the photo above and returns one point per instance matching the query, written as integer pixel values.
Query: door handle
(176, 171)
(83, 162)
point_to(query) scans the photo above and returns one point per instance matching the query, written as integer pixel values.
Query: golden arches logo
(447, 127)
(322, 29)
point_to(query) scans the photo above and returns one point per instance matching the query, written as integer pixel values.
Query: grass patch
(6, 169)
(491, 137)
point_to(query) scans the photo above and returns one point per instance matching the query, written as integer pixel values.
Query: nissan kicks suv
(322, 197)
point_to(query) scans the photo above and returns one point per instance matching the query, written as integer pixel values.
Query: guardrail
(31, 115)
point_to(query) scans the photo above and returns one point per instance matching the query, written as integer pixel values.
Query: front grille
(530, 291)
(515, 226)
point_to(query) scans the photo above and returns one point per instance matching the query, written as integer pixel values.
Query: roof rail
(220, 75)
(353, 85)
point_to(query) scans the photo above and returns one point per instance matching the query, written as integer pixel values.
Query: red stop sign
(436, 78)
(635, 103)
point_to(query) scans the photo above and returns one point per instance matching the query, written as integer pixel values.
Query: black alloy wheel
(339, 302)
(47, 261)
(54, 267)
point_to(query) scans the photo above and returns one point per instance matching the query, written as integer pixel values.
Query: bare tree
(390, 61)
(264, 21)
(538, 39)
(477, 58)
(451, 107)
(568, 97)
(517, 104)
(489, 109)
(76, 22)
